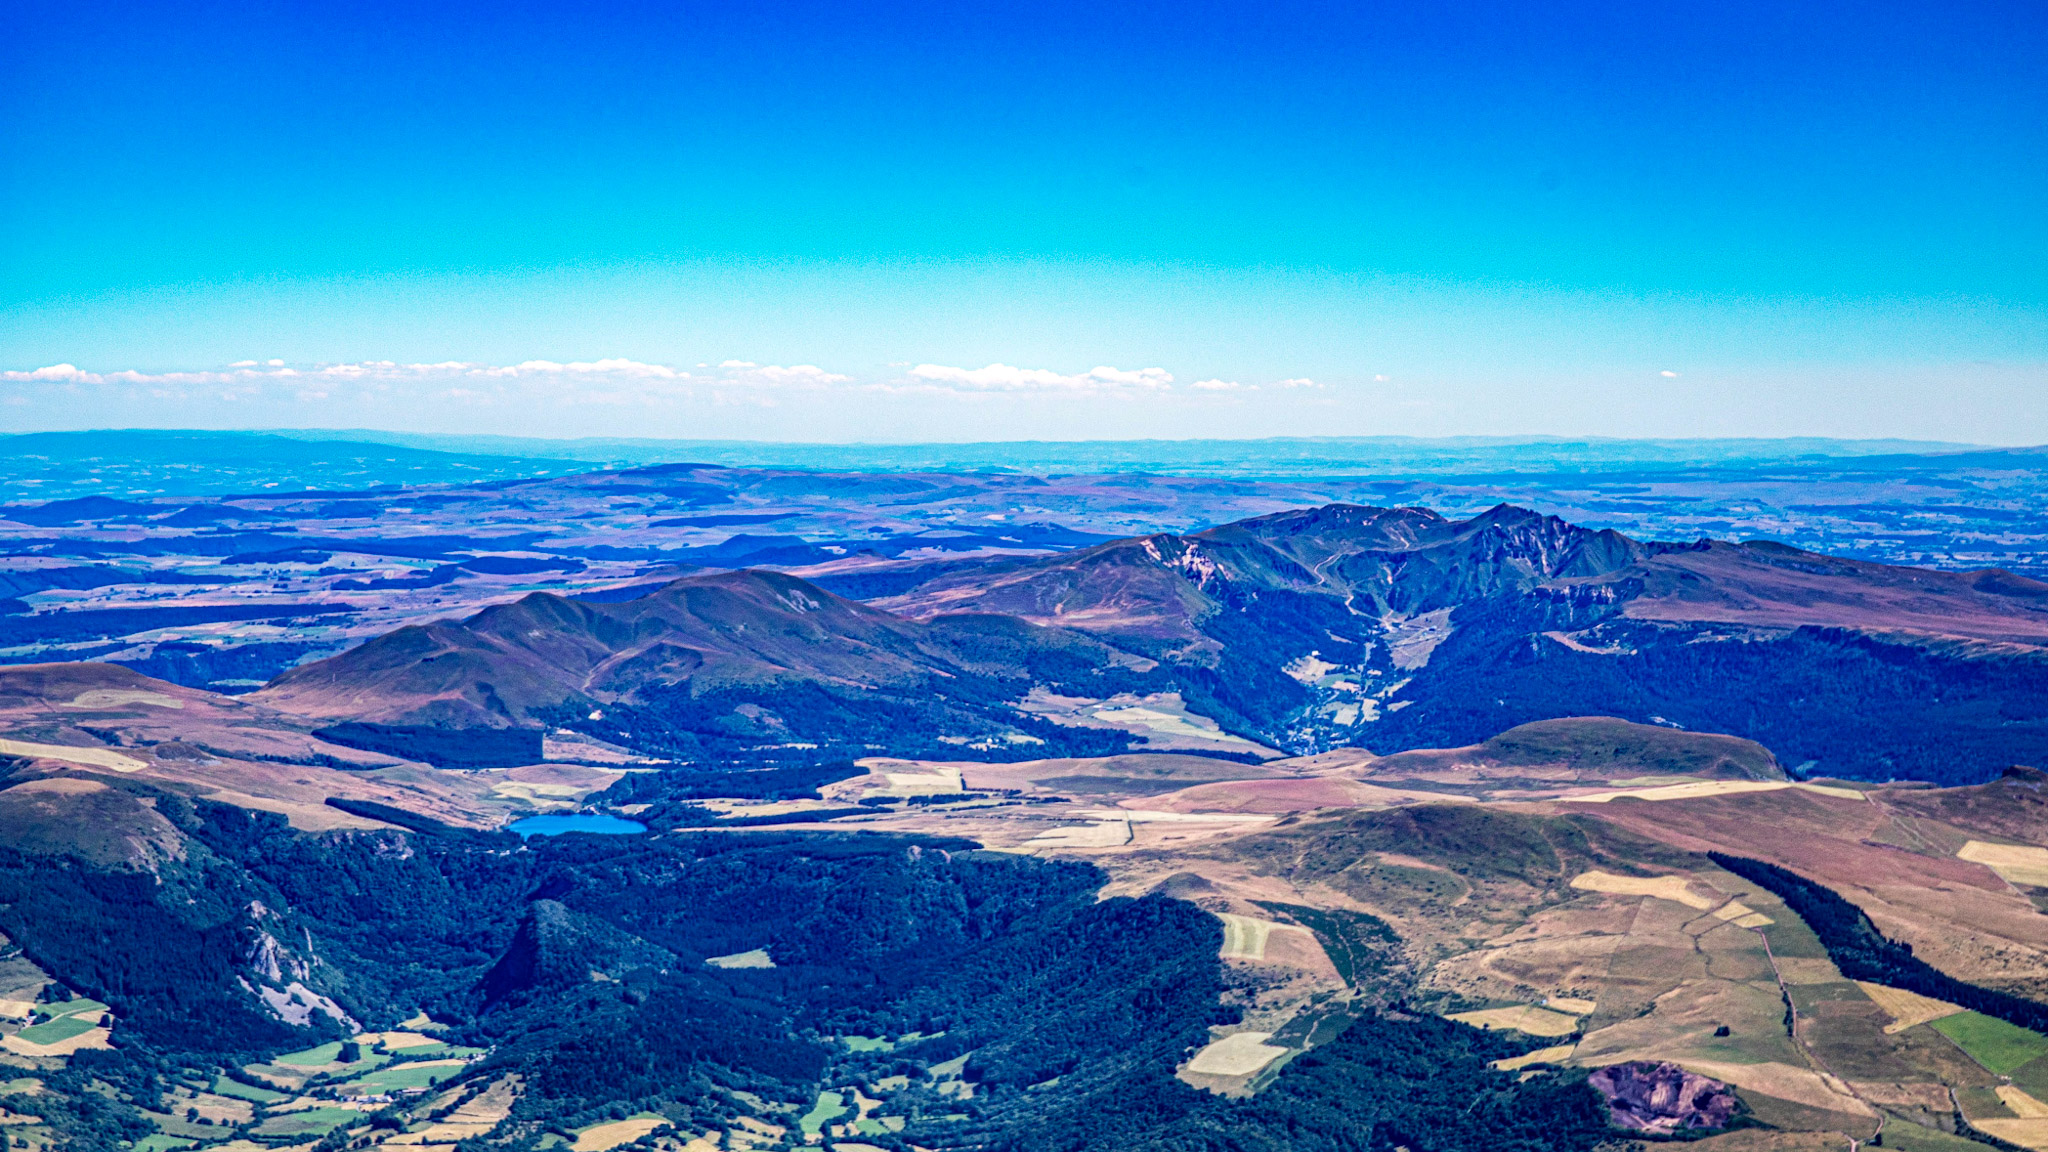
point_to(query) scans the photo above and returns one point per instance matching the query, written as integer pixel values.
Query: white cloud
(1005, 378)
(1297, 382)
(605, 381)
(777, 375)
(63, 373)
(1668, 374)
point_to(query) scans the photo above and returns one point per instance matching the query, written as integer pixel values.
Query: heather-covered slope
(717, 664)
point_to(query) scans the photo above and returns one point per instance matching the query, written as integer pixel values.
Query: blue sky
(1627, 218)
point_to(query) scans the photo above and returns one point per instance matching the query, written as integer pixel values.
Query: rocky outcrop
(1661, 1099)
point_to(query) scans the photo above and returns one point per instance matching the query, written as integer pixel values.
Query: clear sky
(848, 220)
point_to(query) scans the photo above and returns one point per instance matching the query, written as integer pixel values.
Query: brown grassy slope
(2012, 807)
(224, 748)
(1777, 586)
(501, 666)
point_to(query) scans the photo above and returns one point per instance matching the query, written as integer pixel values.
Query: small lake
(559, 823)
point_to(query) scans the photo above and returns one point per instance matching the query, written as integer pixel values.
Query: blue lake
(578, 822)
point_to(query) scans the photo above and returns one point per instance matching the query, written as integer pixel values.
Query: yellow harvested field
(85, 757)
(1742, 915)
(2015, 863)
(1571, 1004)
(1702, 788)
(2025, 1133)
(1245, 937)
(117, 697)
(17, 1009)
(1238, 1054)
(394, 1041)
(608, 1136)
(2022, 1105)
(1906, 1008)
(539, 795)
(1554, 1054)
(1785, 1082)
(940, 783)
(1680, 791)
(445, 1132)
(1142, 815)
(1522, 1018)
(1662, 887)
(1101, 834)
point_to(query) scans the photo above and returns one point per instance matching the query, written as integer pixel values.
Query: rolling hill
(719, 664)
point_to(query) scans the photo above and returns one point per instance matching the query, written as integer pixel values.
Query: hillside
(720, 663)
(1440, 943)
(1398, 628)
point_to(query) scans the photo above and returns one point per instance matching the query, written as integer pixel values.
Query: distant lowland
(460, 794)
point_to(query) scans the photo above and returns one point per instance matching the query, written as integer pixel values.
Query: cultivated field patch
(2022, 1105)
(222, 1086)
(752, 958)
(1100, 834)
(2027, 1133)
(1785, 1082)
(1673, 888)
(1246, 937)
(601, 1137)
(1704, 788)
(87, 757)
(313, 1057)
(1238, 1054)
(1555, 1054)
(1742, 915)
(415, 1074)
(2016, 864)
(1997, 1045)
(1906, 1008)
(311, 1122)
(829, 1107)
(1522, 1018)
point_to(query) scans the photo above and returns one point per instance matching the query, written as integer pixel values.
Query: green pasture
(1998, 1046)
(69, 1008)
(222, 1086)
(62, 1028)
(401, 1076)
(311, 1122)
(830, 1106)
(311, 1057)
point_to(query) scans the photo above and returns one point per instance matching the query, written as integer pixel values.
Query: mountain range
(1300, 631)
